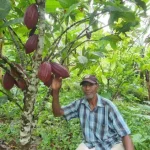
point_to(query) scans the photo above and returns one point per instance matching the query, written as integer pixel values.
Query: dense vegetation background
(108, 38)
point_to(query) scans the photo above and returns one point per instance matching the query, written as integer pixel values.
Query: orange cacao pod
(8, 81)
(59, 70)
(31, 44)
(44, 72)
(31, 16)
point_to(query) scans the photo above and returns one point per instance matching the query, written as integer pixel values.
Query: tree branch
(56, 42)
(77, 47)
(12, 100)
(17, 45)
(12, 65)
(71, 43)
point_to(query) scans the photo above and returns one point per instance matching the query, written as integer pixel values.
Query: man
(102, 125)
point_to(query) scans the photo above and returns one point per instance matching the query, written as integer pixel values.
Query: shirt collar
(99, 102)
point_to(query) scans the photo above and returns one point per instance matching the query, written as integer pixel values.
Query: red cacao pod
(31, 16)
(49, 82)
(8, 81)
(44, 72)
(31, 44)
(20, 83)
(59, 70)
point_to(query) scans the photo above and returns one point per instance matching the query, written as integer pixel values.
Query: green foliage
(56, 133)
(137, 117)
(5, 7)
(106, 39)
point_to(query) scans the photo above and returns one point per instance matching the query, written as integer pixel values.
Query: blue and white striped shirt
(102, 127)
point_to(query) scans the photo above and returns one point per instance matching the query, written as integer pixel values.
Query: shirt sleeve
(118, 122)
(71, 110)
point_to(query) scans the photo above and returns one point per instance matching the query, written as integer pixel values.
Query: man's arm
(127, 142)
(56, 85)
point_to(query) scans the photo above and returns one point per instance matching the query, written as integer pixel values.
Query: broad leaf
(114, 38)
(52, 5)
(104, 80)
(82, 59)
(67, 3)
(137, 137)
(11, 22)
(142, 4)
(71, 9)
(5, 7)
(3, 99)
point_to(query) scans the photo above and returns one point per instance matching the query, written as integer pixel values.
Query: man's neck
(93, 102)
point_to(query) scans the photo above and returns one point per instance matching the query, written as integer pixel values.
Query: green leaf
(113, 65)
(143, 116)
(144, 107)
(3, 100)
(113, 45)
(142, 4)
(52, 5)
(99, 54)
(113, 7)
(104, 80)
(137, 137)
(126, 26)
(82, 59)
(11, 22)
(113, 39)
(5, 7)
(67, 3)
(71, 9)
(120, 12)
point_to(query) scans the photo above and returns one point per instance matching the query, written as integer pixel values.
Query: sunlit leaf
(104, 79)
(52, 5)
(71, 9)
(67, 3)
(82, 59)
(143, 116)
(100, 54)
(113, 65)
(137, 137)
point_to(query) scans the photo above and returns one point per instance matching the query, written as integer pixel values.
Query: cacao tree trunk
(31, 93)
(147, 78)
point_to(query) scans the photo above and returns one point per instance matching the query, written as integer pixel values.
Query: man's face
(89, 89)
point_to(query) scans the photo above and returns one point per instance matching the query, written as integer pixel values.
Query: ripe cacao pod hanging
(44, 72)
(31, 44)
(8, 81)
(49, 82)
(59, 70)
(20, 83)
(31, 16)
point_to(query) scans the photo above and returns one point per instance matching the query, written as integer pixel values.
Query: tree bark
(31, 93)
(147, 78)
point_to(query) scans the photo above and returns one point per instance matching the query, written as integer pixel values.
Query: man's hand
(127, 142)
(56, 83)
